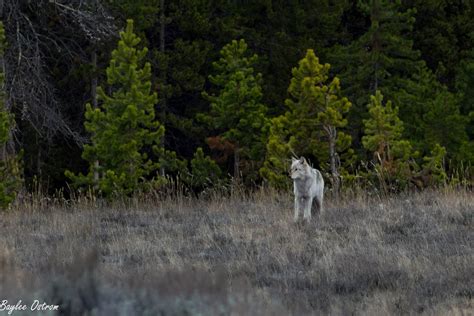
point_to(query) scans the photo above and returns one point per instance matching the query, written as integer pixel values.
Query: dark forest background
(418, 54)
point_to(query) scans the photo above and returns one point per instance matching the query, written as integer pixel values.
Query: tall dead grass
(241, 254)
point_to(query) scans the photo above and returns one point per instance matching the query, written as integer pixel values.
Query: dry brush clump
(243, 254)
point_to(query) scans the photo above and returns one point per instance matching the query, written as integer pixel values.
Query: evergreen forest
(117, 97)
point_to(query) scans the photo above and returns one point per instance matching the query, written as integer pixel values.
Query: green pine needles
(311, 126)
(383, 131)
(204, 171)
(237, 113)
(383, 138)
(394, 159)
(124, 132)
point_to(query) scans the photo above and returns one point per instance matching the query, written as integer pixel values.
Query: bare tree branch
(32, 45)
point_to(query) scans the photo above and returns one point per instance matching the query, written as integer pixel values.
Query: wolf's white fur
(308, 184)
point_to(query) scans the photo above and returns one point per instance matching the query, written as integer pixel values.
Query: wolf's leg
(307, 208)
(297, 207)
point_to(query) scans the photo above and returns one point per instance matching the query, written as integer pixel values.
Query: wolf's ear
(293, 159)
(303, 160)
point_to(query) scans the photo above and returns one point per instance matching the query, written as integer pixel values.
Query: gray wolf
(308, 185)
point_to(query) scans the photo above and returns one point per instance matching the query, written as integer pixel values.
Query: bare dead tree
(32, 41)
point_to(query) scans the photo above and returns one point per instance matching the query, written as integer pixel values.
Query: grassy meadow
(243, 255)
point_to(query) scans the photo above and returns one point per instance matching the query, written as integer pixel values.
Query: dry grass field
(237, 255)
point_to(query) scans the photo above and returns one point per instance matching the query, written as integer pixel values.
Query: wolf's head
(299, 168)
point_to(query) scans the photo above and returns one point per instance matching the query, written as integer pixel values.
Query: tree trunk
(163, 74)
(94, 79)
(38, 160)
(236, 163)
(3, 150)
(376, 45)
(332, 135)
(94, 105)
(3, 153)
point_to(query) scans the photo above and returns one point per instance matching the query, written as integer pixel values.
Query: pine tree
(281, 31)
(181, 60)
(435, 166)
(414, 101)
(464, 84)
(443, 33)
(237, 113)
(383, 138)
(124, 131)
(10, 180)
(382, 58)
(312, 124)
(278, 150)
(204, 171)
(179, 35)
(432, 115)
(142, 12)
(444, 125)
